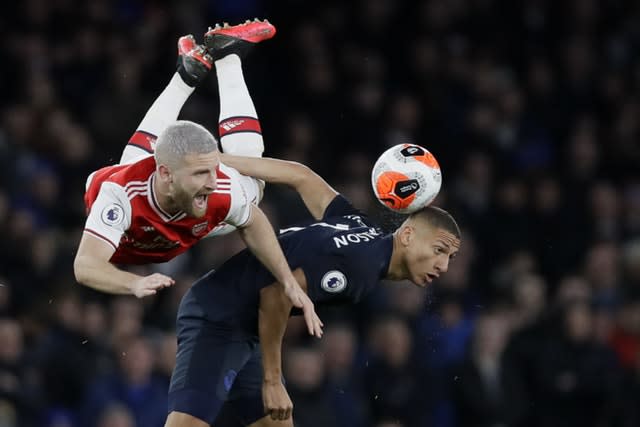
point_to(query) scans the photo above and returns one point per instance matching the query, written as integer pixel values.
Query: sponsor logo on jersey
(148, 228)
(198, 229)
(334, 281)
(112, 214)
(157, 243)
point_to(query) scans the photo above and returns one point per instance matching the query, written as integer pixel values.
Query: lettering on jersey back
(345, 239)
(363, 236)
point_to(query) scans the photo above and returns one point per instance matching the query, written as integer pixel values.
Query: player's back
(343, 256)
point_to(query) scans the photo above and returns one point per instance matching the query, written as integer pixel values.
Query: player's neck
(397, 268)
(162, 194)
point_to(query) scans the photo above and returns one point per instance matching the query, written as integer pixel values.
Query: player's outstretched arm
(93, 269)
(260, 238)
(313, 189)
(273, 314)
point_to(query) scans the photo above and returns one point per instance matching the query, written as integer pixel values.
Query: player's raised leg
(193, 65)
(238, 124)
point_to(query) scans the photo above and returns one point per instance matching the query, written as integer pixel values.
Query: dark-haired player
(232, 320)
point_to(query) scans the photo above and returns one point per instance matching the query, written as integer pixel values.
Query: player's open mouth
(430, 277)
(200, 201)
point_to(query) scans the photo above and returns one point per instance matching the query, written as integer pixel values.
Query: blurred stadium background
(532, 109)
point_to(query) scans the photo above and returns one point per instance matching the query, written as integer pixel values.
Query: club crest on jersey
(198, 229)
(112, 214)
(334, 281)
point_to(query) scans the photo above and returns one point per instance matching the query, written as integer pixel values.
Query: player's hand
(301, 300)
(276, 400)
(150, 285)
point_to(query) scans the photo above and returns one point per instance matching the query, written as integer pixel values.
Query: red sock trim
(239, 124)
(143, 140)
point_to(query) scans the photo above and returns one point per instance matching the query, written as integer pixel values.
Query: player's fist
(276, 400)
(149, 285)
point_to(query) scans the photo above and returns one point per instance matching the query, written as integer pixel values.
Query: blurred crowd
(532, 108)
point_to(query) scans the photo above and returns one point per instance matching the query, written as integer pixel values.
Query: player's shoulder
(341, 207)
(226, 172)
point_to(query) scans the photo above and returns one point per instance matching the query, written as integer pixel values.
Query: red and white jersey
(123, 211)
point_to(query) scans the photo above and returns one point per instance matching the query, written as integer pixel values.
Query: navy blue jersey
(343, 256)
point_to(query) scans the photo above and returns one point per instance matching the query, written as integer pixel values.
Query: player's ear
(406, 234)
(164, 173)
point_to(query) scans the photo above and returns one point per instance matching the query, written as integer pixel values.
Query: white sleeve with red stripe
(240, 205)
(110, 214)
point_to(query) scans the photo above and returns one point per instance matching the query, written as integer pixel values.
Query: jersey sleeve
(340, 206)
(243, 190)
(110, 214)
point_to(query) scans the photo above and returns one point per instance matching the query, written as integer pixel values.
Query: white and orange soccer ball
(406, 178)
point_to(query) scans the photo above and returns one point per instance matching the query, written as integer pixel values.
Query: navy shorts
(218, 374)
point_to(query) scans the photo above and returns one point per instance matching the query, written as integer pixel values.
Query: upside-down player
(232, 320)
(170, 189)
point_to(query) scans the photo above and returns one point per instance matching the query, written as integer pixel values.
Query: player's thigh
(245, 397)
(180, 419)
(207, 363)
(245, 406)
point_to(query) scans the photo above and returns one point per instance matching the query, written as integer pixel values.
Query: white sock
(166, 108)
(239, 128)
(163, 112)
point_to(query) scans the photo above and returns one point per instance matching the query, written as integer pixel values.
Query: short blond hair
(182, 138)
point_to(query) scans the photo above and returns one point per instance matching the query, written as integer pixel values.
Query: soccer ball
(406, 178)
